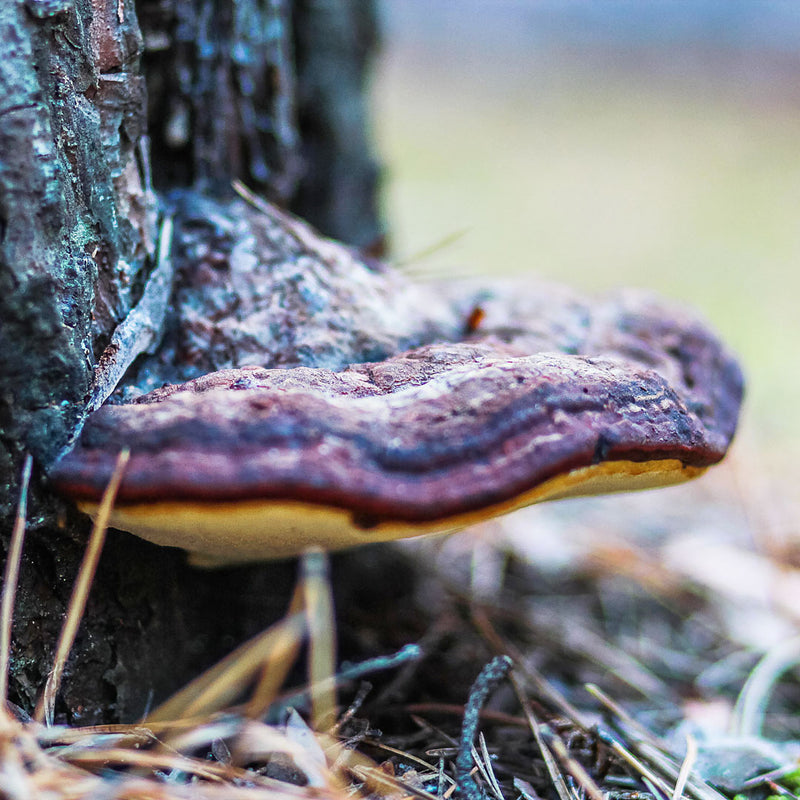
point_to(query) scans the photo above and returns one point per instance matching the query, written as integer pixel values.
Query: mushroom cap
(255, 463)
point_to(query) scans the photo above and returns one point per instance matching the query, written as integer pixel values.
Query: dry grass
(622, 665)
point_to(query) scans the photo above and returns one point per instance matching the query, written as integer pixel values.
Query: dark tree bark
(77, 221)
(270, 93)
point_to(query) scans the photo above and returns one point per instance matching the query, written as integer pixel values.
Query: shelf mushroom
(460, 401)
(547, 395)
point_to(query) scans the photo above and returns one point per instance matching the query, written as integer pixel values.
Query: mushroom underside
(218, 533)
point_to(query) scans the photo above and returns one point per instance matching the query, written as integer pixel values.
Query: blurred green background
(619, 143)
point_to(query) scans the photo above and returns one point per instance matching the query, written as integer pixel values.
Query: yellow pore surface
(223, 533)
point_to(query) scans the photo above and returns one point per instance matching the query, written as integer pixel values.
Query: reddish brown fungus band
(374, 440)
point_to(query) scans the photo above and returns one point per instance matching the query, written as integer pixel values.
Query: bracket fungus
(540, 394)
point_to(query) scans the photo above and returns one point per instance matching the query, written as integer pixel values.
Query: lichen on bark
(76, 220)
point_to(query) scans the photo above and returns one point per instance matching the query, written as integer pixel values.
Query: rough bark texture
(221, 94)
(339, 178)
(76, 219)
(271, 93)
(78, 232)
(257, 286)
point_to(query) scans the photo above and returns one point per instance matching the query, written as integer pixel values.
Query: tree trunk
(270, 93)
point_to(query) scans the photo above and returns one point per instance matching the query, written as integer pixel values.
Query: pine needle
(10, 581)
(277, 664)
(636, 763)
(686, 768)
(322, 638)
(574, 767)
(751, 704)
(80, 593)
(408, 262)
(217, 686)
